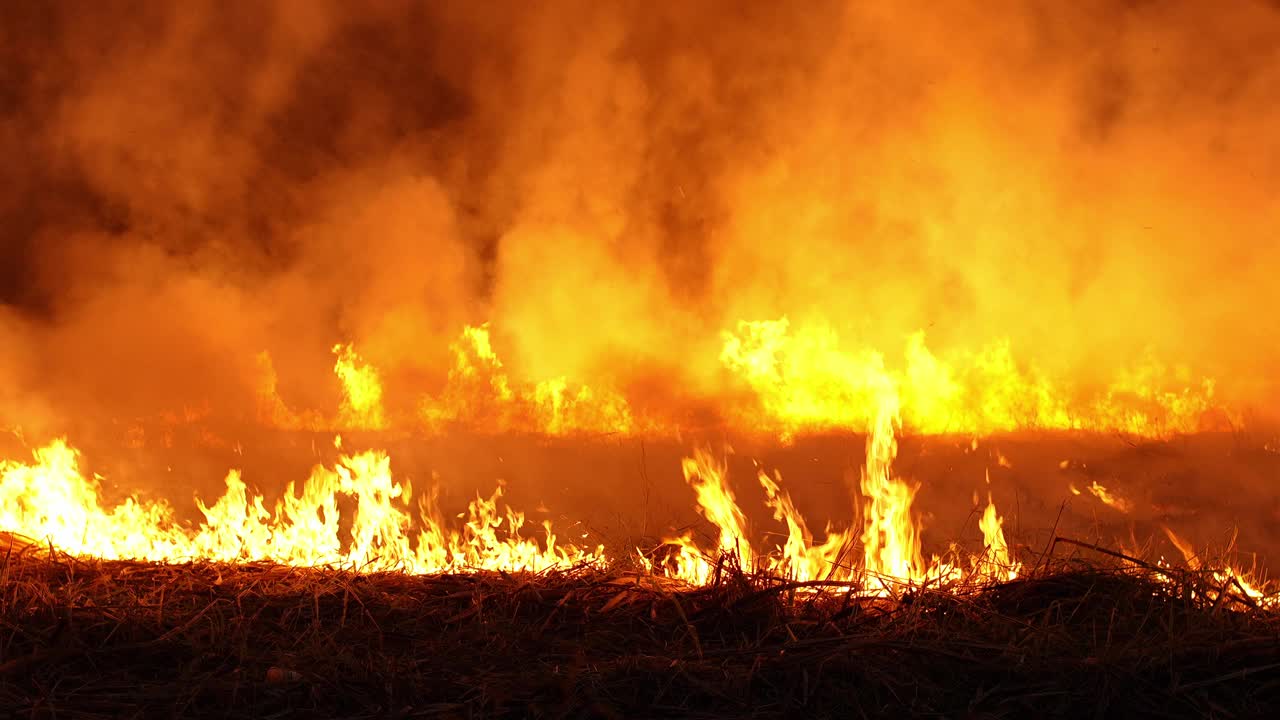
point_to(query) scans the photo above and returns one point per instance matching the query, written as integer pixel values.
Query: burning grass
(87, 638)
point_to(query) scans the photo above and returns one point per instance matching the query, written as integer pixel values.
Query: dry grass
(95, 639)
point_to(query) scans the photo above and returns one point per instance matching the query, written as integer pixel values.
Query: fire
(623, 223)
(801, 381)
(480, 395)
(708, 479)
(1226, 575)
(806, 380)
(1107, 497)
(50, 500)
(890, 536)
(800, 558)
(997, 562)
(1110, 498)
(272, 410)
(362, 391)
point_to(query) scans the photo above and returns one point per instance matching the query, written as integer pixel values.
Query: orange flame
(798, 380)
(362, 391)
(890, 534)
(801, 382)
(805, 380)
(480, 395)
(1226, 575)
(51, 500)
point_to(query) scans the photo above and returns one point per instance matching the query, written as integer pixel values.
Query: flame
(997, 562)
(480, 395)
(802, 381)
(708, 478)
(52, 501)
(715, 501)
(798, 380)
(1109, 498)
(805, 380)
(840, 229)
(1226, 575)
(361, 391)
(801, 559)
(272, 410)
(890, 535)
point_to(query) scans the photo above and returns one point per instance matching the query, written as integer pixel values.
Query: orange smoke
(1058, 219)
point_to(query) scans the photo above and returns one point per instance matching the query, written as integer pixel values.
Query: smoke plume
(610, 185)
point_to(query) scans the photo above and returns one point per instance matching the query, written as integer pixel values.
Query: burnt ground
(1075, 638)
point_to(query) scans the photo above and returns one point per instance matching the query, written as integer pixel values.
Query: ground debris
(90, 639)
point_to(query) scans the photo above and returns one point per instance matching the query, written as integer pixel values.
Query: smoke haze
(610, 185)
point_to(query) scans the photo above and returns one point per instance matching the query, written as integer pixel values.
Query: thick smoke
(611, 184)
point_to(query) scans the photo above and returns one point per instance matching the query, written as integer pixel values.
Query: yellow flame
(362, 391)
(1226, 575)
(709, 480)
(890, 534)
(50, 500)
(998, 562)
(272, 410)
(799, 558)
(806, 380)
(480, 395)
(800, 379)
(1109, 497)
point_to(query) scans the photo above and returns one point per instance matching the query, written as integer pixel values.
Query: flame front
(800, 382)
(890, 536)
(805, 380)
(50, 500)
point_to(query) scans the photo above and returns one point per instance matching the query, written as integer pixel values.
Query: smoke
(1090, 181)
(611, 184)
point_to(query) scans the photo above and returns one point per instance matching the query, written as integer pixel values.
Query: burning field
(608, 360)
